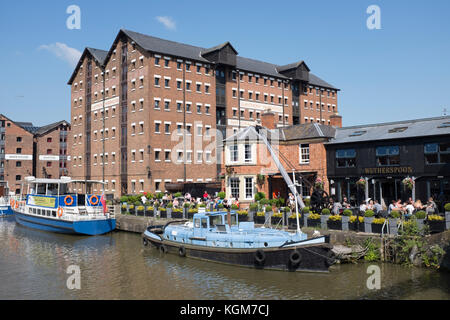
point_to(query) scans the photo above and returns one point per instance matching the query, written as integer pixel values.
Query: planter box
(334, 225)
(324, 220)
(447, 220)
(185, 212)
(242, 217)
(392, 226)
(190, 215)
(353, 226)
(169, 212)
(361, 226)
(314, 223)
(260, 220)
(436, 226)
(345, 221)
(177, 215)
(251, 215)
(149, 213)
(305, 219)
(163, 214)
(368, 224)
(140, 213)
(376, 227)
(292, 222)
(275, 220)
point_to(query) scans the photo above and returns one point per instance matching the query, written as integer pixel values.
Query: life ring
(295, 258)
(11, 202)
(16, 205)
(94, 203)
(182, 251)
(60, 212)
(162, 248)
(68, 203)
(260, 257)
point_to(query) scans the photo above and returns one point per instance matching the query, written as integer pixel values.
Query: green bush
(124, 199)
(253, 207)
(347, 213)
(234, 207)
(159, 195)
(178, 195)
(287, 209)
(264, 202)
(268, 208)
(221, 195)
(170, 205)
(279, 202)
(395, 214)
(273, 202)
(259, 196)
(220, 206)
(420, 214)
(202, 205)
(307, 201)
(447, 207)
(369, 213)
(325, 211)
(305, 210)
(186, 205)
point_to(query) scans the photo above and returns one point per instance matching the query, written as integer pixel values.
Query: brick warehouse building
(249, 167)
(134, 106)
(27, 150)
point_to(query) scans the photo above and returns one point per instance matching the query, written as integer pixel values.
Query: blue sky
(399, 72)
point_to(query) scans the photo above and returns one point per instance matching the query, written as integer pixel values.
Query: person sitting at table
(363, 207)
(391, 206)
(431, 206)
(345, 203)
(377, 207)
(418, 205)
(409, 210)
(337, 206)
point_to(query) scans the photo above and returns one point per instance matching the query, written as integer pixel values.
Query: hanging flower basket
(408, 183)
(361, 183)
(318, 183)
(260, 179)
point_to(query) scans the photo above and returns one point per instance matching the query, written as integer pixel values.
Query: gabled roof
(98, 54)
(219, 47)
(393, 130)
(27, 126)
(181, 50)
(45, 129)
(294, 65)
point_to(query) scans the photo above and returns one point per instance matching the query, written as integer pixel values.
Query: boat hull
(313, 257)
(6, 211)
(90, 227)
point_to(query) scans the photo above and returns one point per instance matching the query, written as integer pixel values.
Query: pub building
(383, 155)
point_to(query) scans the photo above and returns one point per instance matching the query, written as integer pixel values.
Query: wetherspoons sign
(388, 170)
(48, 202)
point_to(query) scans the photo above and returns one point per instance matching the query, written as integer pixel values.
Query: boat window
(39, 211)
(34, 210)
(215, 220)
(233, 219)
(54, 213)
(52, 189)
(63, 189)
(204, 223)
(40, 189)
(197, 223)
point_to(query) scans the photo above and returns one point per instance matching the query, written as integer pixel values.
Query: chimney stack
(336, 120)
(268, 120)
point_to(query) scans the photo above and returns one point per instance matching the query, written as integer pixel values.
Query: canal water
(33, 265)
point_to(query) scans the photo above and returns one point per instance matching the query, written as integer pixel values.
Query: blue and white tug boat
(5, 200)
(50, 206)
(220, 237)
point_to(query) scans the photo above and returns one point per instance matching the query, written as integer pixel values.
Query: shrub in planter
(447, 207)
(314, 220)
(436, 223)
(260, 217)
(305, 210)
(220, 206)
(253, 207)
(177, 213)
(124, 208)
(191, 213)
(334, 222)
(347, 213)
(325, 214)
(361, 224)
(377, 225)
(353, 223)
(242, 215)
(149, 211)
(307, 201)
(292, 220)
(221, 195)
(276, 218)
(369, 213)
(259, 196)
(268, 208)
(234, 207)
(140, 210)
(163, 212)
(368, 218)
(131, 209)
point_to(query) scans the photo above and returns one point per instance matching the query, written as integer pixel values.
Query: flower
(335, 218)
(318, 183)
(361, 182)
(314, 216)
(408, 183)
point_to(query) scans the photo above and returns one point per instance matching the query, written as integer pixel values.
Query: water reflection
(33, 265)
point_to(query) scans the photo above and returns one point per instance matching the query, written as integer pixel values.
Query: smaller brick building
(249, 168)
(27, 150)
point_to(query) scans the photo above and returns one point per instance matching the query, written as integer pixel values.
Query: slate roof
(98, 54)
(414, 128)
(49, 127)
(177, 49)
(303, 131)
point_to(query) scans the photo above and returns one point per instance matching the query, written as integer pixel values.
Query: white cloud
(64, 52)
(168, 22)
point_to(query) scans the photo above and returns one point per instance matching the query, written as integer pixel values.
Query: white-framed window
(234, 187)
(248, 188)
(234, 156)
(304, 153)
(247, 153)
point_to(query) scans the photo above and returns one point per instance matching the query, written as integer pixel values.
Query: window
(178, 106)
(19, 150)
(157, 153)
(199, 108)
(388, 156)
(157, 185)
(156, 104)
(436, 153)
(156, 82)
(206, 88)
(167, 83)
(19, 139)
(18, 177)
(188, 86)
(249, 187)
(18, 164)
(199, 69)
(167, 156)
(207, 109)
(157, 61)
(234, 153)
(166, 63)
(346, 158)
(247, 153)
(188, 67)
(166, 105)
(157, 127)
(167, 128)
(304, 154)
(49, 164)
(179, 84)
(234, 186)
